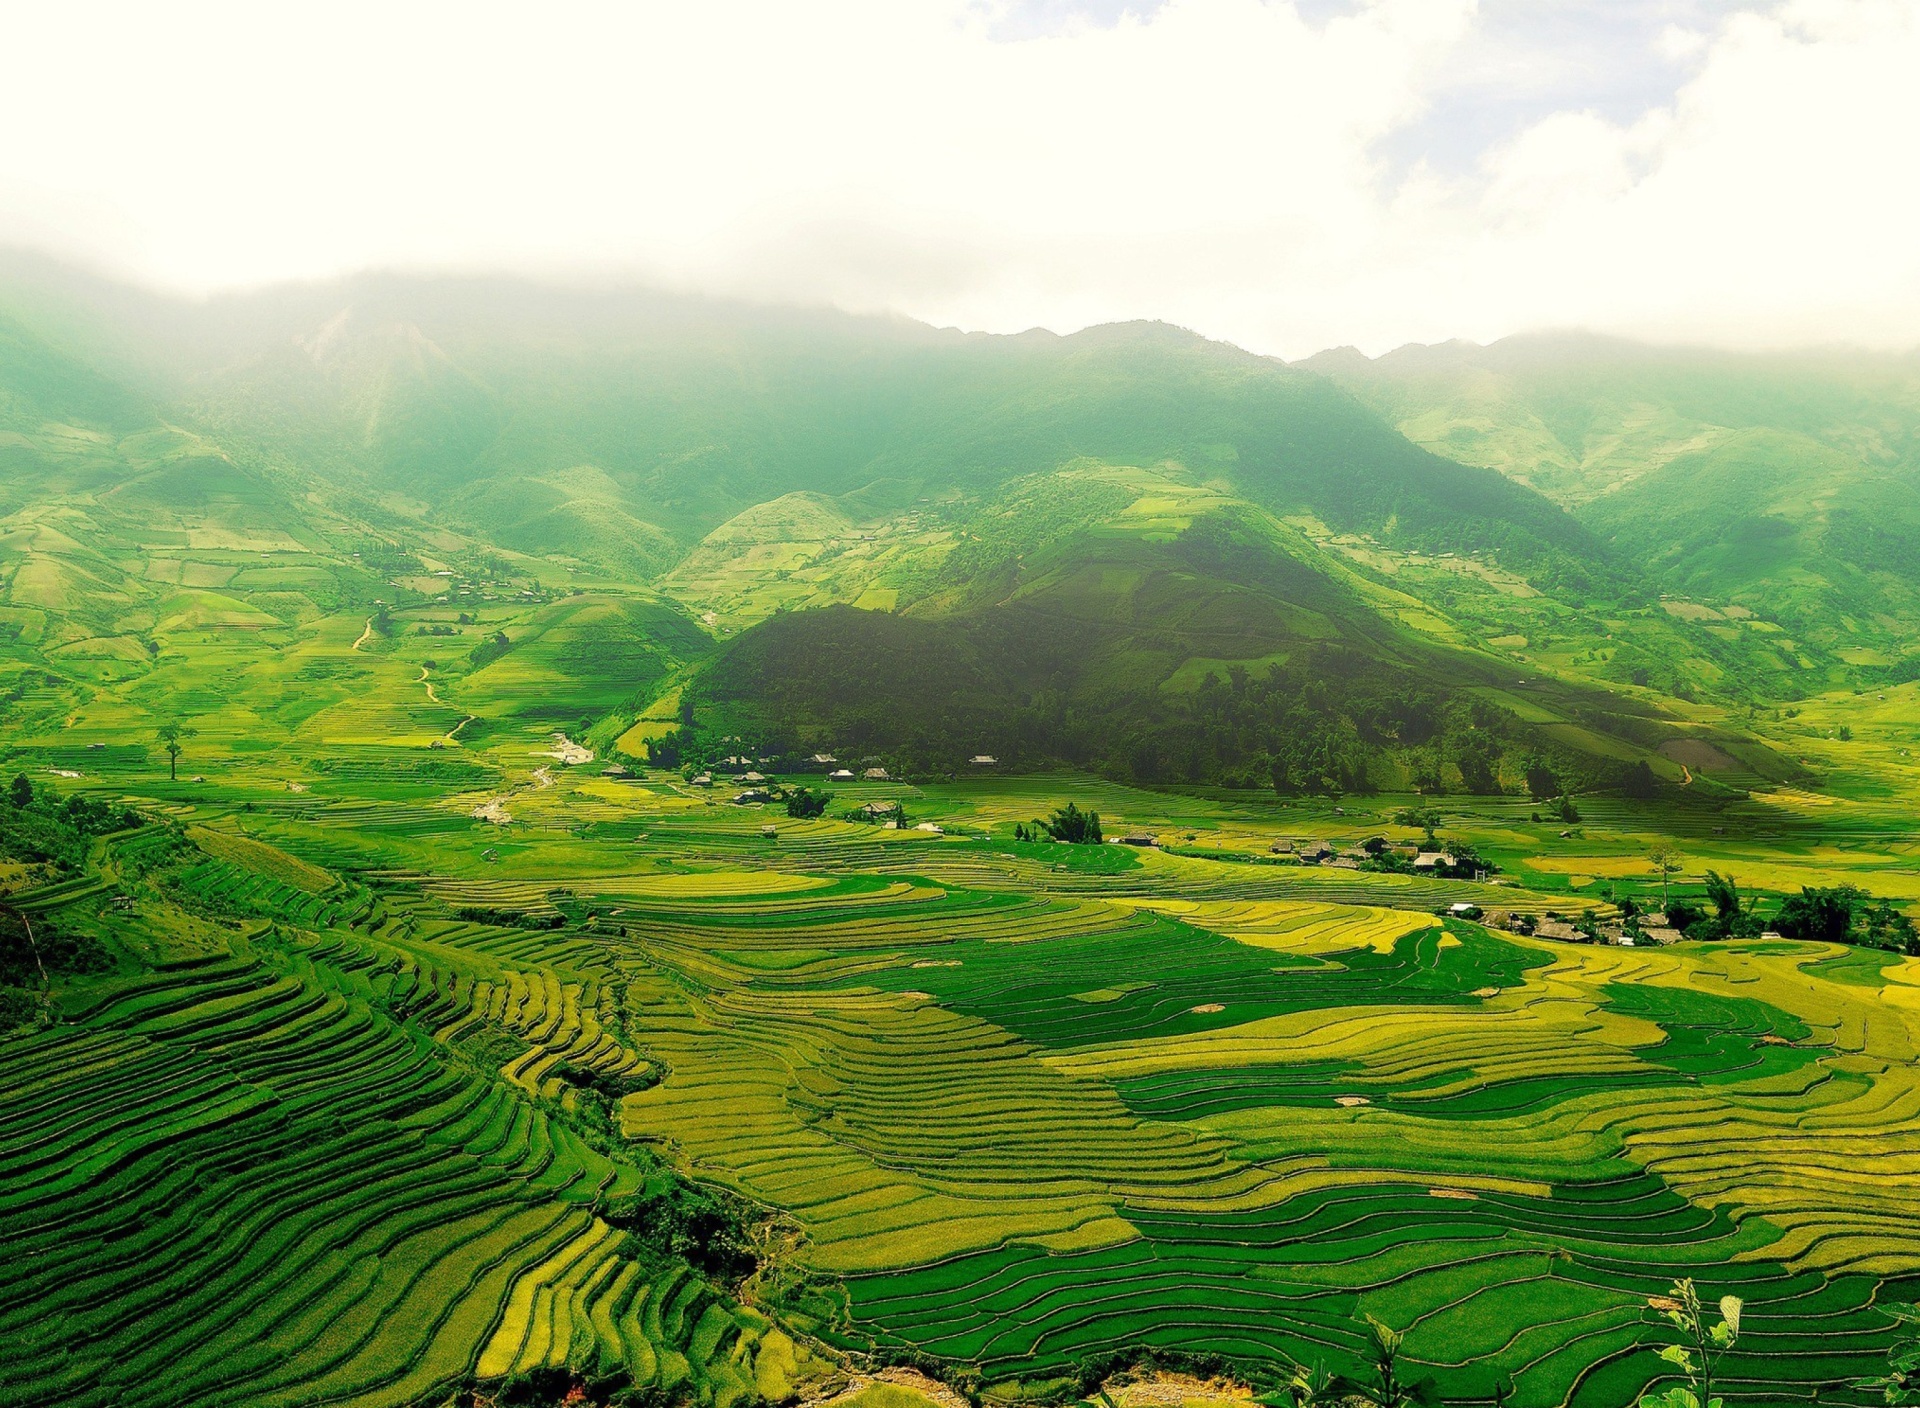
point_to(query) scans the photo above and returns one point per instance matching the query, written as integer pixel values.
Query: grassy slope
(1075, 613)
(1788, 485)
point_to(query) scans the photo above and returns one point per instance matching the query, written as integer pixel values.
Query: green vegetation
(719, 850)
(1778, 485)
(1703, 1343)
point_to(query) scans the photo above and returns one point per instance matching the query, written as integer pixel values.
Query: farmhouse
(823, 760)
(877, 775)
(1313, 852)
(1139, 838)
(751, 797)
(984, 760)
(840, 775)
(1433, 860)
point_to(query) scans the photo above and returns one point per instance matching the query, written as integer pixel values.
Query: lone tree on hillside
(170, 733)
(1667, 860)
(20, 793)
(1075, 827)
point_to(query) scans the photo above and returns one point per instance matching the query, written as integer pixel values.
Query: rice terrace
(698, 841)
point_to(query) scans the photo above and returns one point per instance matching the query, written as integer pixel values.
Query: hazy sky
(1289, 174)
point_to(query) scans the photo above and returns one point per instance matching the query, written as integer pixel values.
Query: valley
(533, 864)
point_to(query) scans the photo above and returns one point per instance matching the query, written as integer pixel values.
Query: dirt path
(365, 635)
(46, 983)
(494, 809)
(432, 697)
(567, 751)
(919, 1383)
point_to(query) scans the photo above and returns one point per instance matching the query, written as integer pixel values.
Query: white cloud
(1213, 162)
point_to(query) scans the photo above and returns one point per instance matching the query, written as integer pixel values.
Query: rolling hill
(1787, 485)
(1086, 532)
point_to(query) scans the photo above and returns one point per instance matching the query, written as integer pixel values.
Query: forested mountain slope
(1130, 547)
(1788, 484)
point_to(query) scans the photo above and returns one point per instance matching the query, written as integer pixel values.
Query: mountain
(1130, 547)
(1786, 485)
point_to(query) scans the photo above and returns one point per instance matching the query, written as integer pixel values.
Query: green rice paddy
(327, 1129)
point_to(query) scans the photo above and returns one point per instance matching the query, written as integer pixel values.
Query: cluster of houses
(1443, 864)
(1644, 929)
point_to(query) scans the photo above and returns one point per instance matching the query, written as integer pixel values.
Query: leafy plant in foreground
(1702, 1345)
(1385, 1387)
(1900, 1385)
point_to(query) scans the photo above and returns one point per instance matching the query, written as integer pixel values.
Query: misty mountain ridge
(1092, 531)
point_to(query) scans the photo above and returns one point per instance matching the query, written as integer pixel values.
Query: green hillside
(1785, 485)
(1157, 630)
(1127, 511)
(441, 966)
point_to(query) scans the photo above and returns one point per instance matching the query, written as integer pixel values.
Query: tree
(1700, 1348)
(1733, 917)
(1479, 763)
(170, 733)
(1684, 914)
(1075, 827)
(1824, 914)
(803, 803)
(1541, 782)
(1886, 927)
(1666, 860)
(20, 793)
(1428, 819)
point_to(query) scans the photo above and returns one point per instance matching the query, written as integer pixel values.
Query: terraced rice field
(334, 1137)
